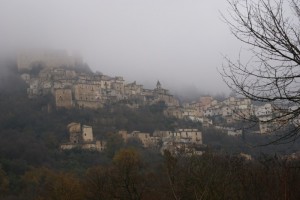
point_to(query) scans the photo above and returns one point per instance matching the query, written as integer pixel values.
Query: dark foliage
(33, 167)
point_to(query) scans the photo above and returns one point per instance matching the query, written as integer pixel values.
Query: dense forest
(33, 167)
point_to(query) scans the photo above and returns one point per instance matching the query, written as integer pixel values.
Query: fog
(180, 43)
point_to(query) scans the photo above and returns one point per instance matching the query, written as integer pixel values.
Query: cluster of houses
(229, 110)
(75, 88)
(222, 115)
(180, 142)
(89, 90)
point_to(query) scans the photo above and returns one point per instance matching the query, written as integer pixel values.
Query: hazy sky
(179, 42)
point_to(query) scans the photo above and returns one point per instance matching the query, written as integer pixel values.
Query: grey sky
(179, 42)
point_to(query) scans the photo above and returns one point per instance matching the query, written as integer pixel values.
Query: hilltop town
(57, 73)
(72, 88)
(70, 119)
(71, 84)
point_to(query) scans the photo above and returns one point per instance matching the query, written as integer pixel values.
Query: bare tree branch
(271, 30)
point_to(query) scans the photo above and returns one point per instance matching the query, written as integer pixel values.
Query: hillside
(32, 129)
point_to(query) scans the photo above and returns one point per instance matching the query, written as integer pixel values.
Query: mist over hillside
(32, 130)
(10, 80)
(124, 100)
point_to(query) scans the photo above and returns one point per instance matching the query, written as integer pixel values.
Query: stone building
(34, 88)
(117, 84)
(88, 95)
(87, 133)
(26, 77)
(146, 139)
(265, 113)
(74, 130)
(205, 101)
(133, 89)
(87, 92)
(162, 94)
(174, 111)
(185, 142)
(63, 98)
(81, 136)
(193, 135)
(160, 90)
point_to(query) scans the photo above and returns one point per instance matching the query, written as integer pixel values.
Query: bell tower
(158, 85)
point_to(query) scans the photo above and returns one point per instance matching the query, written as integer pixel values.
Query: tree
(98, 184)
(43, 183)
(114, 143)
(4, 182)
(271, 28)
(128, 171)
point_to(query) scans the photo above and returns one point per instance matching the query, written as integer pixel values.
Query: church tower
(158, 85)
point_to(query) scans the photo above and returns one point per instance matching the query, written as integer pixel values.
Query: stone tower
(75, 132)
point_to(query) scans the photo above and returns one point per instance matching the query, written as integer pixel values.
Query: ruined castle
(81, 136)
